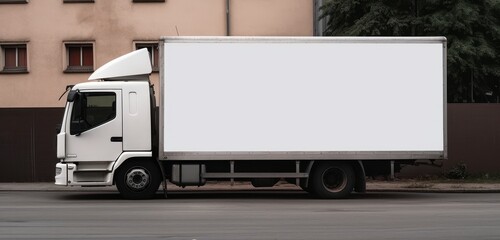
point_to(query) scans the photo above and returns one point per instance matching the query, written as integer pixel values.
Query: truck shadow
(278, 195)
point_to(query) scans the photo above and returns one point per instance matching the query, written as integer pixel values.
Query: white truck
(320, 112)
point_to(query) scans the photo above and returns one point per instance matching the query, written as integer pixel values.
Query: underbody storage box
(188, 174)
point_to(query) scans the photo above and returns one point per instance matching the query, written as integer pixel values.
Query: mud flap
(360, 185)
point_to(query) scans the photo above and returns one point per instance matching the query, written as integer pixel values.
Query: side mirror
(73, 95)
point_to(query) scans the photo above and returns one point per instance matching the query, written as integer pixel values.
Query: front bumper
(64, 173)
(67, 174)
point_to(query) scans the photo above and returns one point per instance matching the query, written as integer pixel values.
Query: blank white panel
(137, 120)
(303, 97)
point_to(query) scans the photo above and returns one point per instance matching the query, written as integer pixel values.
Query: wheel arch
(129, 156)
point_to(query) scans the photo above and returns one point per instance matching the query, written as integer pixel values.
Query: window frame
(155, 65)
(67, 68)
(13, 1)
(78, 103)
(148, 1)
(78, 1)
(3, 60)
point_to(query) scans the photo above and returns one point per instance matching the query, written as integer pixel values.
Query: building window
(14, 58)
(153, 53)
(13, 1)
(78, 1)
(79, 57)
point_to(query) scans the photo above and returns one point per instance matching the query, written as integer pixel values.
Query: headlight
(58, 170)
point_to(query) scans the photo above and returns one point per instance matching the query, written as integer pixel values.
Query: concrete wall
(271, 17)
(113, 26)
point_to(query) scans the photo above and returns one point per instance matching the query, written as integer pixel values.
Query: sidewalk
(372, 186)
(427, 186)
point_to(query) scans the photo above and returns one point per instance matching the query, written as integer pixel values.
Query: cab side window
(92, 109)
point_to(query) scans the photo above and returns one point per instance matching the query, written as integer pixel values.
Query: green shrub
(459, 171)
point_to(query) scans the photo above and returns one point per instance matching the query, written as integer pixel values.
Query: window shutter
(10, 57)
(22, 57)
(88, 58)
(74, 56)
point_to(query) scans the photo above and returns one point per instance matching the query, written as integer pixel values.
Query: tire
(332, 180)
(138, 179)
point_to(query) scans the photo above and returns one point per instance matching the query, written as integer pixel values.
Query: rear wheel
(138, 179)
(332, 180)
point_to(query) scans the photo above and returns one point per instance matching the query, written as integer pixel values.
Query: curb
(261, 190)
(436, 190)
(222, 187)
(228, 190)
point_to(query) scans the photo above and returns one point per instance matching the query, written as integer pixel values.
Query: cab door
(94, 127)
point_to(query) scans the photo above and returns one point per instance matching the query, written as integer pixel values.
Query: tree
(471, 27)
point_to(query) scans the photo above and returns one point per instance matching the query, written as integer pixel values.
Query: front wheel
(332, 180)
(138, 179)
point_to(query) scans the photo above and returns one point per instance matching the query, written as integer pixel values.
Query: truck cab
(106, 122)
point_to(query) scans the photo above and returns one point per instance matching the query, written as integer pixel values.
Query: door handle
(116, 139)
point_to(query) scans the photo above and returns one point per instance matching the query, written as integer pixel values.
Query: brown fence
(28, 141)
(474, 137)
(28, 144)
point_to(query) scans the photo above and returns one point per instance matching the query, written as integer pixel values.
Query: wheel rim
(137, 179)
(334, 179)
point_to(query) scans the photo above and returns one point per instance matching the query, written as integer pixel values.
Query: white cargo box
(302, 98)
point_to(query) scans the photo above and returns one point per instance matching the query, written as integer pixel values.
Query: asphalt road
(249, 215)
